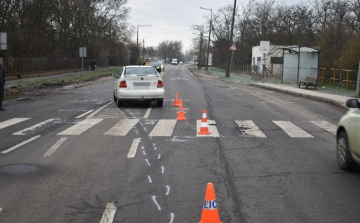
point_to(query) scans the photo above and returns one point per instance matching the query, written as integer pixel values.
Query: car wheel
(160, 102)
(115, 99)
(120, 103)
(344, 158)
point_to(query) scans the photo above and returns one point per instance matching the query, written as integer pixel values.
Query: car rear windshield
(140, 71)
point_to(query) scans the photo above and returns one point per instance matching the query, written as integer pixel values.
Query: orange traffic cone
(181, 112)
(210, 213)
(176, 101)
(204, 129)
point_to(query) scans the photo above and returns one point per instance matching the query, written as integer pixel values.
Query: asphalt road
(75, 156)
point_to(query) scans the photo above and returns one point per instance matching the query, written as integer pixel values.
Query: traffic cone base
(210, 213)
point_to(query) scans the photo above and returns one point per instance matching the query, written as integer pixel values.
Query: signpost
(195, 57)
(264, 48)
(129, 56)
(82, 54)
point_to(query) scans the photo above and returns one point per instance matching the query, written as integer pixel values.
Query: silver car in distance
(138, 83)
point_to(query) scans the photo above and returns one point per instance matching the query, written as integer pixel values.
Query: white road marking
(168, 190)
(162, 169)
(98, 110)
(164, 127)
(144, 153)
(109, 213)
(85, 113)
(326, 126)
(292, 130)
(80, 127)
(150, 181)
(154, 199)
(31, 128)
(20, 144)
(251, 128)
(172, 217)
(159, 156)
(55, 147)
(133, 148)
(211, 126)
(147, 161)
(122, 128)
(11, 122)
(147, 113)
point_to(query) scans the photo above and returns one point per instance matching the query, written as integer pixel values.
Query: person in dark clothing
(2, 84)
(91, 64)
(94, 64)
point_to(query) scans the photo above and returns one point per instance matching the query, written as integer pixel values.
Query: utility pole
(208, 49)
(358, 82)
(231, 42)
(201, 43)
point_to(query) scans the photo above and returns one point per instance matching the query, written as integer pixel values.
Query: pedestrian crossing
(167, 127)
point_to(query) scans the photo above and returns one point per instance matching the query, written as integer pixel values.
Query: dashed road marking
(133, 148)
(55, 147)
(80, 127)
(20, 144)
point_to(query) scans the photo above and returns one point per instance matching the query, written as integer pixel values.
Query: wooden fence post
(358, 82)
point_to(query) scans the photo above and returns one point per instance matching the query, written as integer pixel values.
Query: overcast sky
(171, 19)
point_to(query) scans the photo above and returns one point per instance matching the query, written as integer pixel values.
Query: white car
(138, 83)
(348, 137)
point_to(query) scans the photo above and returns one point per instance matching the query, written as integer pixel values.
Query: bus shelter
(299, 62)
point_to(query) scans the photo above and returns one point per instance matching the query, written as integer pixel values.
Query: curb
(341, 105)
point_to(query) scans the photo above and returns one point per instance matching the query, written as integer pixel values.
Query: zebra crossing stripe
(122, 127)
(250, 128)
(292, 130)
(211, 126)
(80, 127)
(164, 127)
(23, 132)
(11, 122)
(326, 126)
(109, 213)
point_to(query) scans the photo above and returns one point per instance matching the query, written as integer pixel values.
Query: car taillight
(160, 84)
(122, 84)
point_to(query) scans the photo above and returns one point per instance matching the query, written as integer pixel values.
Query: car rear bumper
(141, 94)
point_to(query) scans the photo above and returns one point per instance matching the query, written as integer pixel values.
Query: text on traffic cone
(210, 213)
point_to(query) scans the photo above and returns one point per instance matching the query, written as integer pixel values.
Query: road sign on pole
(233, 47)
(265, 47)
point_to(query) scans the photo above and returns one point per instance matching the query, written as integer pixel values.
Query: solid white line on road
(98, 110)
(122, 127)
(20, 144)
(147, 113)
(55, 146)
(154, 199)
(10, 122)
(292, 130)
(133, 148)
(80, 127)
(250, 128)
(109, 213)
(84, 114)
(164, 127)
(23, 132)
(211, 126)
(326, 126)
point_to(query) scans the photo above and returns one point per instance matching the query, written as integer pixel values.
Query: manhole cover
(18, 168)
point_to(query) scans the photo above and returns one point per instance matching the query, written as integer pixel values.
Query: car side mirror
(353, 103)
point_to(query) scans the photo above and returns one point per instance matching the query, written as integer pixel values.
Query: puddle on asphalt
(18, 169)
